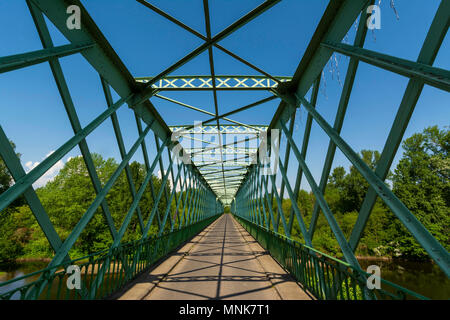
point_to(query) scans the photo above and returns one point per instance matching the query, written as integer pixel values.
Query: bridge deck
(222, 262)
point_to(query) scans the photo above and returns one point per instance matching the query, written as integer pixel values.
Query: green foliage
(353, 293)
(66, 198)
(421, 181)
(10, 238)
(347, 191)
(5, 176)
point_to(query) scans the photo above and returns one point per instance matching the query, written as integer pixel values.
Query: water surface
(425, 278)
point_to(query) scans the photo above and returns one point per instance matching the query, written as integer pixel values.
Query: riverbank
(41, 263)
(44, 261)
(40, 260)
(425, 278)
(26, 260)
(374, 258)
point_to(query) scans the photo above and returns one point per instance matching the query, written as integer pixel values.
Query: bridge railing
(122, 264)
(261, 193)
(181, 199)
(325, 277)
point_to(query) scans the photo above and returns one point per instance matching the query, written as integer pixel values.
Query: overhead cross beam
(19, 61)
(150, 86)
(213, 77)
(335, 23)
(148, 90)
(432, 76)
(197, 188)
(205, 83)
(206, 39)
(201, 110)
(101, 56)
(212, 169)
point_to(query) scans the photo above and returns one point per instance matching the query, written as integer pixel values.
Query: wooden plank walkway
(222, 262)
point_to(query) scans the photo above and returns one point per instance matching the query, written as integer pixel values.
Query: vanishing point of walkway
(222, 262)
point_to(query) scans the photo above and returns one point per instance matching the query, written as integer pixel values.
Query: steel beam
(427, 55)
(103, 58)
(340, 115)
(220, 36)
(418, 231)
(23, 60)
(200, 110)
(432, 76)
(339, 235)
(179, 23)
(205, 83)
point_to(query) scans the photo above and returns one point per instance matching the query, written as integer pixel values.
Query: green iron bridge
(221, 174)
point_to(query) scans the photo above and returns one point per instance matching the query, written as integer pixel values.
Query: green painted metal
(422, 235)
(427, 55)
(87, 216)
(12, 162)
(279, 206)
(339, 16)
(257, 103)
(222, 176)
(335, 23)
(340, 280)
(340, 115)
(295, 208)
(199, 110)
(207, 83)
(59, 78)
(161, 169)
(220, 36)
(305, 143)
(27, 180)
(200, 190)
(213, 77)
(348, 254)
(432, 76)
(286, 162)
(24, 181)
(54, 278)
(19, 61)
(103, 59)
(179, 23)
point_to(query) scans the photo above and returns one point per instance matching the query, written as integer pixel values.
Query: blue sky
(33, 116)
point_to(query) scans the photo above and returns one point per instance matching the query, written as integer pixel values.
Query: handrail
(318, 273)
(150, 252)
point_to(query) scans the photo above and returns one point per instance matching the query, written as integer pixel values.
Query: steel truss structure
(254, 195)
(223, 166)
(220, 172)
(181, 83)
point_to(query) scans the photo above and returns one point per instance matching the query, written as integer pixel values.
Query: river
(425, 278)
(422, 277)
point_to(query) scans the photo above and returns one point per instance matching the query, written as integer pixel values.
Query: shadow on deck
(222, 262)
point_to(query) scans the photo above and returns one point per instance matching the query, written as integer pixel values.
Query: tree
(352, 187)
(10, 247)
(344, 195)
(5, 176)
(69, 195)
(422, 182)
